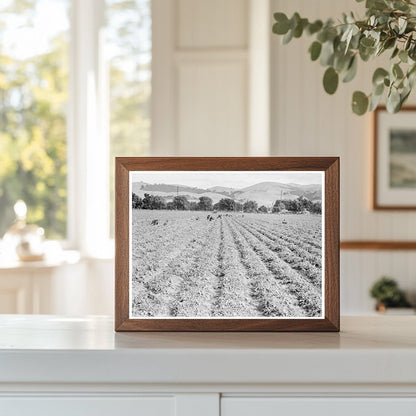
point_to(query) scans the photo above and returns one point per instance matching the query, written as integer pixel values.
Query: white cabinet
(203, 405)
(88, 406)
(80, 367)
(269, 406)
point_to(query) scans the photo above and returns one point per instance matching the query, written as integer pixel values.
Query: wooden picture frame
(391, 177)
(226, 167)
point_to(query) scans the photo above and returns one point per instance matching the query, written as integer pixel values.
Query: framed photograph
(227, 244)
(394, 159)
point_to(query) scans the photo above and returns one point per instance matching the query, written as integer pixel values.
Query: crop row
(274, 297)
(157, 244)
(197, 272)
(287, 253)
(308, 296)
(311, 254)
(155, 280)
(309, 235)
(234, 292)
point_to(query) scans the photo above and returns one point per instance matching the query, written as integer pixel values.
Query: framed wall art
(227, 244)
(394, 179)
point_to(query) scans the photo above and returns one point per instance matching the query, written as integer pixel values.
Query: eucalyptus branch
(389, 26)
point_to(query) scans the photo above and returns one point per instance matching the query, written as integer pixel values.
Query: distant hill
(170, 191)
(170, 188)
(264, 193)
(222, 190)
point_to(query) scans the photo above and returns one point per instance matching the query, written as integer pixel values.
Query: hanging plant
(389, 27)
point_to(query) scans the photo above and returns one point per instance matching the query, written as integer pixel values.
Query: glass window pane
(129, 53)
(33, 102)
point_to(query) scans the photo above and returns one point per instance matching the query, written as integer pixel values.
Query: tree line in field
(181, 203)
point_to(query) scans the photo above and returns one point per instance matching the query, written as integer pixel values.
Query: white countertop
(52, 349)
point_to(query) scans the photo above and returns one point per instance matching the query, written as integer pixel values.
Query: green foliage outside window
(129, 43)
(33, 99)
(34, 103)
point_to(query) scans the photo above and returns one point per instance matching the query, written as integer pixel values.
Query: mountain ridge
(264, 193)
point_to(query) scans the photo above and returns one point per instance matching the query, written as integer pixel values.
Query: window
(33, 102)
(75, 87)
(129, 43)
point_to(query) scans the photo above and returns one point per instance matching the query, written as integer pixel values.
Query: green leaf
(330, 80)
(314, 27)
(322, 36)
(408, 42)
(366, 53)
(327, 53)
(332, 33)
(355, 41)
(379, 75)
(376, 4)
(281, 27)
(402, 24)
(366, 48)
(348, 35)
(359, 103)
(411, 76)
(393, 101)
(298, 30)
(389, 43)
(400, 5)
(288, 37)
(395, 52)
(412, 70)
(374, 102)
(341, 62)
(397, 71)
(382, 19)
(403, 56)
(294, 20)
(367, 42)
(351, 71)
(378, 89)
(412, 52)
(336, 42)
(315, 50)
(404, 96)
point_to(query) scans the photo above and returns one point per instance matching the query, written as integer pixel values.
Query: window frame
(87, 133)
(87, 128)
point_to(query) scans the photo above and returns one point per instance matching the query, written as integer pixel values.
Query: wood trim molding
(378, 245)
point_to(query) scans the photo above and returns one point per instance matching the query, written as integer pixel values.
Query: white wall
(223, 77)
(211, 93)
(308, 122)
(202, 83)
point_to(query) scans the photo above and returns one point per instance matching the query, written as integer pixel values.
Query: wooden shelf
(378, 245)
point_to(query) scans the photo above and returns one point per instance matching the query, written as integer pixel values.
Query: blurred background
(83, 81)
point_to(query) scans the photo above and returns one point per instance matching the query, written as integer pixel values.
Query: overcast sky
(228, 179)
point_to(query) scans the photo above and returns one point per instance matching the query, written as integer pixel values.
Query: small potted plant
(387, 294)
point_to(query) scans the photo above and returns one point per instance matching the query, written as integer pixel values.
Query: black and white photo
(226, 244)
(394, 159)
